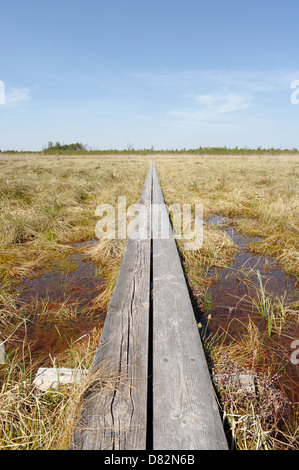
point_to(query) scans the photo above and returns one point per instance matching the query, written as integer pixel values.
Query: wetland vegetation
(57, 281)
(245, 280)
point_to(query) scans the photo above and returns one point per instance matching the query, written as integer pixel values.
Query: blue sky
(161, 73)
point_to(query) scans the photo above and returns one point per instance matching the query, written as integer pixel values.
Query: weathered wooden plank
(114, 413)
(185, 411)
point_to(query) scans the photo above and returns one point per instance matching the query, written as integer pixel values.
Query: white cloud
(252, 81)
(219, 103)
(16, 95)
(195, 96)
(211, 105)
(249, 80)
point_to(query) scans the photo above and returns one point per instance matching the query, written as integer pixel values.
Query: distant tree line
(79, 148)
(61, 148)
(82, 149)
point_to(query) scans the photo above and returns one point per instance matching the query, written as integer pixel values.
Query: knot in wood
(121, 407)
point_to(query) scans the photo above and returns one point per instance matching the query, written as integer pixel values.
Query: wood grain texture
(114, 412)
(178, 406)
(185, 411)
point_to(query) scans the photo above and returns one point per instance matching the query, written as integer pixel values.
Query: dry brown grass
(46, 205)
(259, 193)
(48, 202)
(259, 198)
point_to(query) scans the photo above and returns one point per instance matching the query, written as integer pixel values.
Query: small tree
(130, 147)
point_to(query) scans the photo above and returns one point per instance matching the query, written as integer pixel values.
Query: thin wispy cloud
(253, 81)
(248, 80)
(196, 96)
(14, 96)
(211, 105)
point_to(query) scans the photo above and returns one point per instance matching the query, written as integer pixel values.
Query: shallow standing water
(232, 293)
(70, 279)
(60, 301)
(228, 293)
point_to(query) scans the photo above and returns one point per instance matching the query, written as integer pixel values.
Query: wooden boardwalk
(152, 387)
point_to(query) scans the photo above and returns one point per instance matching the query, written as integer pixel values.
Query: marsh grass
(258, 197)
(31, 419)
(259, 193)
(259, 419)
(43, 334)
(47, 205)
(48, 202)
(277, 312)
